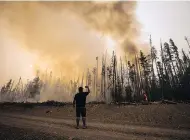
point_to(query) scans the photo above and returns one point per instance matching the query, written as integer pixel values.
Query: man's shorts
(80, 111)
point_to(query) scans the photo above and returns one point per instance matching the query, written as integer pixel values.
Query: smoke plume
(65, 37)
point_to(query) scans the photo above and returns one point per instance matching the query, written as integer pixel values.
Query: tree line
(161, 76)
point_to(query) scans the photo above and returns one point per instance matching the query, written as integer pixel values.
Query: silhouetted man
(80, 101)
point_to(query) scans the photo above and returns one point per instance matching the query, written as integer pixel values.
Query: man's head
(80, 89)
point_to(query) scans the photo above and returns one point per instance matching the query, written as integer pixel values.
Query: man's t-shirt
(80, 99)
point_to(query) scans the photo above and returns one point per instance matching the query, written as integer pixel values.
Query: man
(80, 101)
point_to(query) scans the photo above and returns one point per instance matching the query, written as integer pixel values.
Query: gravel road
(33, 127)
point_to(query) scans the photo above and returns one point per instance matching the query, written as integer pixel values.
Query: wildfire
(110, 45)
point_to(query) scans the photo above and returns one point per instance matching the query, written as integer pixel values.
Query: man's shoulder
(81, 94)
(85, 93)
(76, 94)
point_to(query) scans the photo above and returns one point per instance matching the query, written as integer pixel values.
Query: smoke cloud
(65, 37)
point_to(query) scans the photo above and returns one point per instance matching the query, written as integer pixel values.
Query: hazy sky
(160, 19)
(165, 20)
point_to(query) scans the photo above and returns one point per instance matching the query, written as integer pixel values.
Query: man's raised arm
(87, 89)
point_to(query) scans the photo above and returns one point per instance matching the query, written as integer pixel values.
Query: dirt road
(100, 131)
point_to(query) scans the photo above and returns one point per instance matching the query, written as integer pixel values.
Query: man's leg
(84, 117)
(77, 121)
(77, 117)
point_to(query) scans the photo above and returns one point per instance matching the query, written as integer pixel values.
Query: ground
(14, 133)
(160, 121)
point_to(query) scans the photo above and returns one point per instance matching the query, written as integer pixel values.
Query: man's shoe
(84, 127)
(77, 127)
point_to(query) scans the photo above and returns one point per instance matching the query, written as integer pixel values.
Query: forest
(160, 75)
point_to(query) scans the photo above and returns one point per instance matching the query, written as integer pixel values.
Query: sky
(160, 19)
(165, 20)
